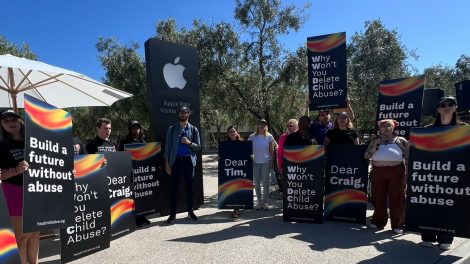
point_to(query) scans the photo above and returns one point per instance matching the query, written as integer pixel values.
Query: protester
(12, 166)
(233, 135)
(343, 132)
(263, 152)
(134, 135)
(101, 143)
(78, 146)
(302, 136)
(446, 116)
(320, 128)
(388, 153)
(292, 127)
(182, 143)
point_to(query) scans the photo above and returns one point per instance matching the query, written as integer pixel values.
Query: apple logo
(173, 74)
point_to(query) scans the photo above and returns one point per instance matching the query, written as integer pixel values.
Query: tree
(373, 56)
(442, 77)
(125, 70)
(6, 47)
(462, 68)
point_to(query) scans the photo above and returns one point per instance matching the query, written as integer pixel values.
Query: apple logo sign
(173, 74)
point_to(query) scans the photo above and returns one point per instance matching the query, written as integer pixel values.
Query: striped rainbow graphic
(327, 42)
(441, 139)
(88, 164)
(47, 116)
(7, 244)
(120, 209)
(301, 154)
(233, 186)
(343, 197)
(143, 151)
(401, 86)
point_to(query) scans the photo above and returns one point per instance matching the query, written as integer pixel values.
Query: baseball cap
(184, 109)
(447, 99)
(134, 123)
(7, 113)
(262, 120)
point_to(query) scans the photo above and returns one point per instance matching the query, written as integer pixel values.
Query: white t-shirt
(261, 147)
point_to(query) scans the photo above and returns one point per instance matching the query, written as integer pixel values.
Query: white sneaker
(265, 206)
(398, 230)
(445, 246)
(426, 244)
(258, 206)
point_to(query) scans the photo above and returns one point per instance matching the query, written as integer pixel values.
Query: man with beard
(101, 143)
(182, 143)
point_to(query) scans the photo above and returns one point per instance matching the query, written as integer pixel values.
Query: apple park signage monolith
(172, 82)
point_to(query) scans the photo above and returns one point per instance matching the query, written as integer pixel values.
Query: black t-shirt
(342, 137)
(295, 139)
(99, 145)
(78, 146)
(11, 153)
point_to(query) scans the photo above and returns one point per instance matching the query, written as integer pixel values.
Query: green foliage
(374, 55)
(6, 47)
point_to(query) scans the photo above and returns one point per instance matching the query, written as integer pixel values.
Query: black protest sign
(304, 183)
(119, 167)
(9, 253)
(91, 230)
(146, 176)
(438, 191)
(235, 175)
(327, 80)
(401, 99)
(346, 183)
(48, 184)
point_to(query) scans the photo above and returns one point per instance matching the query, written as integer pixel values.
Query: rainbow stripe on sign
(7, 244)
(328, 42)
(303, 154)
(441, 139)
(343, 197)
(145, 151)
(402, 86)
(120, 209)
(233, 186)
(47, 116)
(88, 164)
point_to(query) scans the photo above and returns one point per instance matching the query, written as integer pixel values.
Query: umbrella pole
(15, 104)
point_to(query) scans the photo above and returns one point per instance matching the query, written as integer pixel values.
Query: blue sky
(64, 33)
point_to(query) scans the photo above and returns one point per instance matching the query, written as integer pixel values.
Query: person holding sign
(232, 135)
(302, 136)
(343, 132)
(446, 116)
(101, 143)
(292, 127)
(182, 143)
(388, 153)
(263, 150)
(12, 166)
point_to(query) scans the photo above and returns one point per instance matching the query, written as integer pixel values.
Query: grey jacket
(173, 139)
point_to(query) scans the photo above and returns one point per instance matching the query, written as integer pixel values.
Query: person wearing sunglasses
(446, 116)
(343, 132)
(233, 136)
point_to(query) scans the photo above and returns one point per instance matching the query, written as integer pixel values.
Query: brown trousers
(388, 182)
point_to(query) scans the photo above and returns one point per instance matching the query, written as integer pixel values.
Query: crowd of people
(388, 154)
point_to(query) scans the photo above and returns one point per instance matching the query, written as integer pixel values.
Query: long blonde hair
(256, 133)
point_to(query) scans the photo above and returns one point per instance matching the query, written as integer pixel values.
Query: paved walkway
(260, 237)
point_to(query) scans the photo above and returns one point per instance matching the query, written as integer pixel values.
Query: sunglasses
(444, 105)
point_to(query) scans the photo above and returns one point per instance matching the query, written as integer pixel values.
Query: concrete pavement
(260, 237)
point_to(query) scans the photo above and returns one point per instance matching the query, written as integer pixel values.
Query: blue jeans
(261, 175)
(183, 167)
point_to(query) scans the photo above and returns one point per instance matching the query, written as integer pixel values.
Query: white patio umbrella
(56, 86)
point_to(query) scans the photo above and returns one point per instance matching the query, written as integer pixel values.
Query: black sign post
(235, 175)
(172, 75)
(48, 183)
(304, 184)
(438, 191)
